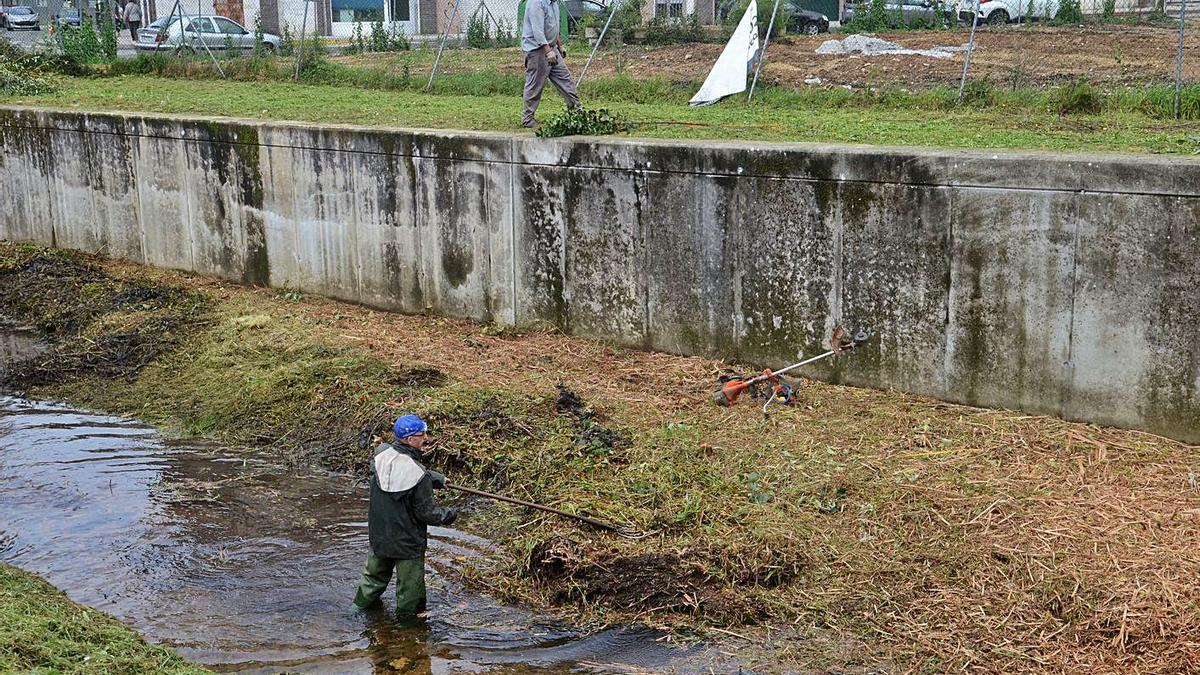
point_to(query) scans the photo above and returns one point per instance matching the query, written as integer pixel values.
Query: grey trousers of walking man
(537, 71)
(544, 56)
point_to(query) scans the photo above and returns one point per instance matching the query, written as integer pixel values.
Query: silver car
(195, 33)
(20, 17)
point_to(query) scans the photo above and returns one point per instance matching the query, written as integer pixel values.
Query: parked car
(909, 12)
(215, 32)
(805, 21)
(20, 16)
(70, 18)
(578, 9)
(998, 12)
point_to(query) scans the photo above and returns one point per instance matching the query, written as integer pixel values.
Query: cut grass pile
(913, 532)
(1073, 117)
(42, 631)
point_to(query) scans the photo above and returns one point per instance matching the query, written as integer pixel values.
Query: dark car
(70, 18)
(578, 9)
(21, 17)
(806, 21)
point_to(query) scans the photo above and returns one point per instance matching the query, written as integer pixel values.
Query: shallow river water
(241, 565)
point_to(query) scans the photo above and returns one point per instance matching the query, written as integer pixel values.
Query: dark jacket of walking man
(545, 57)
(401, 508)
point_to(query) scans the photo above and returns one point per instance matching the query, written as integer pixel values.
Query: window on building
(352, 11)
(669, 10)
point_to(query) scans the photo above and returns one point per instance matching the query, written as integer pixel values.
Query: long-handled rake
(619, 531)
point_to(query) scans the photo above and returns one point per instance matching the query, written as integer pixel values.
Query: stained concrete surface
(1061, 284)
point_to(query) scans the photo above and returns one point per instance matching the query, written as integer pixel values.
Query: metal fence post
(300, 49)
(604, 31)
(970, 48)
(762, 56)
(1179, 60)
(445, 36)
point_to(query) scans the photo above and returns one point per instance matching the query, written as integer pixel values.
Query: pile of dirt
(670, 582)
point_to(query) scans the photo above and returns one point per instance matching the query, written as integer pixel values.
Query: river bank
(41, 629)
(864, 527)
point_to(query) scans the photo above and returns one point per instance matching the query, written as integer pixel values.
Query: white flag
(728, 74)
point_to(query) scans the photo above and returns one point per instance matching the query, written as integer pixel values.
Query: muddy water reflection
(241, 565)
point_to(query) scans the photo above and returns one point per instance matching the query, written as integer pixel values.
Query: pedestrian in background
(398, 515)
(133, 18)
(545, 57)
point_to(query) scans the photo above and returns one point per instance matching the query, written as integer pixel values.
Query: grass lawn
(658, 110)
(42, 631)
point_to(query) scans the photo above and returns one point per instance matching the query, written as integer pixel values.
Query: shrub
(979, 93)
(664, 31)
(86, 44)
(358, 43)
(869, 17)
(287, 42)
(1069, 12)
(506, 35)
(397, 39)
(379, 37)
(581, 122)
(259, 35)
(479, 34)
(764, 16)
(627, 20)
(1078, 98)
(23, 73)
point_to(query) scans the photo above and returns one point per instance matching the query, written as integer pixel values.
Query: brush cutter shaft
(727, 395)
(765, 376)
(519, 502)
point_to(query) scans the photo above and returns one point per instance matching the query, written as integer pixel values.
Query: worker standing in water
(400, 511)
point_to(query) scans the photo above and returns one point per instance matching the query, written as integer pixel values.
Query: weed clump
(584, 122)
(1078, 98)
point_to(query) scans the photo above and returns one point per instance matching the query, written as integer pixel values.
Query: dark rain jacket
(401, 504)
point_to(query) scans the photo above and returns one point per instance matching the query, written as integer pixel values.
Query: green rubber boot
(410, 588)
(374, 580)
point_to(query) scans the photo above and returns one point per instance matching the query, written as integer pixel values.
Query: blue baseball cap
(409, 425)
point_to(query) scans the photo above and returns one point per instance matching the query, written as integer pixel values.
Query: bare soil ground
(1011, 56)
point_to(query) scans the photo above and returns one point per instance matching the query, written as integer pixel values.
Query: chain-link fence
(1016, 43)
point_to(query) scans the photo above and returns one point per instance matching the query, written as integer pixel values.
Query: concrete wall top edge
(996, 169)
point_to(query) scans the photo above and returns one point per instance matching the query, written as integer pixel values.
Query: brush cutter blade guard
(728, 393)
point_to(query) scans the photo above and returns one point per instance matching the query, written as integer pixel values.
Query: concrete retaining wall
(1059, 284)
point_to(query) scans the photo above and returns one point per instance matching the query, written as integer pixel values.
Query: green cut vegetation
(42, 631)
(853, 529)
(1123, 121)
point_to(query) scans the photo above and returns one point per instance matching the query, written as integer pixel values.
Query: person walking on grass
(133, 18)
(545, 57)
(400, 510)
